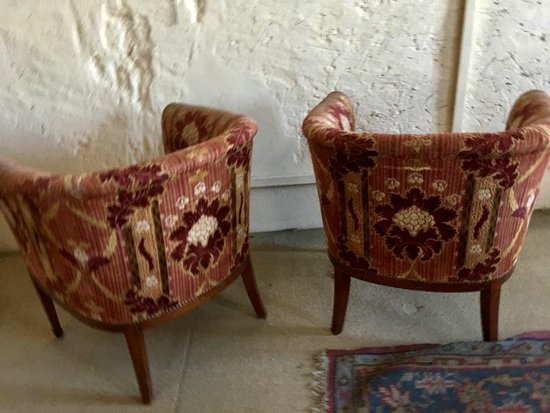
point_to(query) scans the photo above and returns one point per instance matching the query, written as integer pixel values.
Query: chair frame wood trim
(134, 331)
(489, 294)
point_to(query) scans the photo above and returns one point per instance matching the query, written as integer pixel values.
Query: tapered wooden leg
(252, 290)
(49, 308)
(341, 295)
(136, 346)
(489, 300)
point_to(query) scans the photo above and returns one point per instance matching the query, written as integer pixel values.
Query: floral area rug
(509, 376)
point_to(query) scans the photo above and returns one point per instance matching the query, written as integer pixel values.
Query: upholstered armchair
(438, 212)
(129, 248)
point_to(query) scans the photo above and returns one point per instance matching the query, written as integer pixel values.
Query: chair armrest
(530, 109)
(186, 125)
(335, 111)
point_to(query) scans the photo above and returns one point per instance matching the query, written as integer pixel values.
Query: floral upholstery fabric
(437, 208)
(130, 244)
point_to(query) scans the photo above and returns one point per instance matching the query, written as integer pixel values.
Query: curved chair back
(130, 244)
(434, 208)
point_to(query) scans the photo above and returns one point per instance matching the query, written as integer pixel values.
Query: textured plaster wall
(510, 55)
(83, 83)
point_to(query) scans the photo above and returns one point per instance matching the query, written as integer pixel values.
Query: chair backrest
(436, 208)
(133, 243)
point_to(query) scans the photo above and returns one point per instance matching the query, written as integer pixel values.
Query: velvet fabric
(134, 243)
(433, 208)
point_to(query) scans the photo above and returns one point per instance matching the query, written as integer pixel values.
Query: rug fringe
(319, 385)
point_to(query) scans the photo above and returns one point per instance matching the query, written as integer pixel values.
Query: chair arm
(186, 125)
(530, 109)
(335, 111)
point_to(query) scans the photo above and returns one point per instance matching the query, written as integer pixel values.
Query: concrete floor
(220, 358)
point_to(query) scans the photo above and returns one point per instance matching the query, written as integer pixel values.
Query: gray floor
(220, 358)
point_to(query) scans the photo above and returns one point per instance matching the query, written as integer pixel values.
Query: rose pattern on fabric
(138, 186)
(481, 270)
(439, 185)
(378, 195)
(81, 255)
(200, 188)
(414, 226)
(216, 187)
(476, 249)
(351, 159)
(484, 194)
(392, 183)
(200, 238)
(202, 230)
(142, 226)
(479, 156)
(144, 307)
(453, 199)
(170, 220)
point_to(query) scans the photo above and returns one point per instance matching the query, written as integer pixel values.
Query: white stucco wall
(83, 83)
(510, 55)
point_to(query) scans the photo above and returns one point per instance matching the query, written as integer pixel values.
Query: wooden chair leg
(138, 353)
(341, 295)
(489, 300)
(49, 308)
(252, 290)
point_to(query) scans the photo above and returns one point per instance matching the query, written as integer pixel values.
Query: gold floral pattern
(137, 242)
(435, 208)
(415, 226)
(417, 142)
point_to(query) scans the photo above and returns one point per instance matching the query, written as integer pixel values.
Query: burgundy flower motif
(354, 260)
(352, 155)
(137, 175)
(482, 269)
(201, 237)
(149, 182)
(480, 156)
(415, 226)
(147, 305)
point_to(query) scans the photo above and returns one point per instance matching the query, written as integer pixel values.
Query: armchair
(129, 248)
(437, 212)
